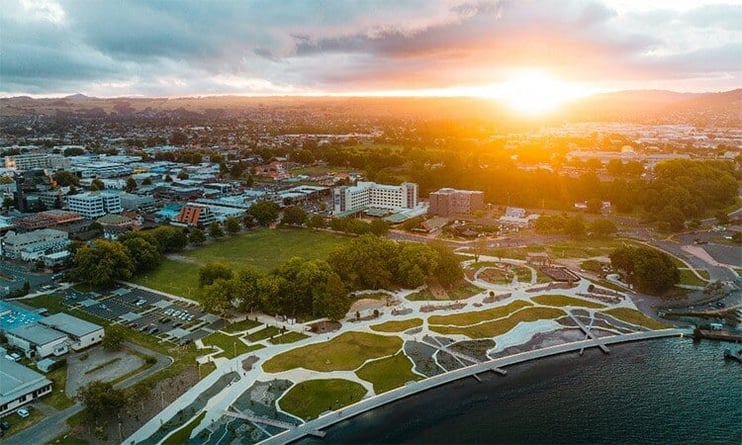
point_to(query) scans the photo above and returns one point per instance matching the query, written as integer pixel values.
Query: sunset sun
(535, 92)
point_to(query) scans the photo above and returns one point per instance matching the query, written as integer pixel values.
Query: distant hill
(661, 107)
(722, 109)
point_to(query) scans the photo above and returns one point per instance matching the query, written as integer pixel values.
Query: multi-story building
(196, 215)
(46, 219)
(372, 195)
(33, 245)
(95, 204)
(448, 201)
(30, 161)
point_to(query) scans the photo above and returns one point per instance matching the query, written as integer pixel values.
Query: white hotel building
(372, 195)
(95, 204)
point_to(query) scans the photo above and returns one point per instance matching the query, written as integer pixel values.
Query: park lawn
(423, 295)
(388, 373)
(469, 318)
(397, 325)
(182, 435)
(587, 248)
(18, 423)
(687, 277)
(345, 352)
(250, 348)
(66, 439)
(496, 276)
(311, 398)
(241, 326)
(563, 300)
(503, 325)
(289, 337)
(231, 345)
(267, 332)
(263, 249)
(634, 317)
(206, 369)
(463, 291)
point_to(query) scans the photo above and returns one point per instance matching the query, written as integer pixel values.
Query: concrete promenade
(432, 382)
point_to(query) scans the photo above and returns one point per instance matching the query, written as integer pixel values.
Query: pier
(588, 333)
(413, 388)
(271, 422)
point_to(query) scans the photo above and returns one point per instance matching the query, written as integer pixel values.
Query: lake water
(671, 391)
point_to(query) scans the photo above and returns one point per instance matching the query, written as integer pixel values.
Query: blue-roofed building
(13, 316)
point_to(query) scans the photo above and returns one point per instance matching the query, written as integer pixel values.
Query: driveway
(81, 368)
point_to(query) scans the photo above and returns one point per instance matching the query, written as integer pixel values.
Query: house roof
(68, 324)
(37, 334)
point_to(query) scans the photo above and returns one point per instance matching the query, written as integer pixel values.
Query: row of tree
(320, 288)
(574, 225)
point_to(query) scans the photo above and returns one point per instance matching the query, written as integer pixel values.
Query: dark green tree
(197, 236)
(210, 272)
(294, 216)
(232, 225)
(215, 230)
(264, 212)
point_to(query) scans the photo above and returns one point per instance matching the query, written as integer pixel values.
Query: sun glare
(534, 92)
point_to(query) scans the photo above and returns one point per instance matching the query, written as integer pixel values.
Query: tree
(316, 222)
(737, 237)
(210, 272)
(294, 216)
(169, 238)
(264, 212)
(101, 400)
(232, 225)
(131, 185)
(197, 236)
(215, 230)
(594, 205)
(103, 263)
(216, 297)
(379, 227)
(168, 178)
(147, 181)
(97, 185)
(448, 269)
(648, 269)
(182, 175)
(114, 338)
(8, 202)
(722, 218)
(602, 228)
(146, 256)
(66, 178)
(671, 218)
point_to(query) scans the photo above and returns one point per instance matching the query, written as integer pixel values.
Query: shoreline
(350, 411)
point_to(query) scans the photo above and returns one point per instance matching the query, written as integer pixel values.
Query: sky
(110, 48)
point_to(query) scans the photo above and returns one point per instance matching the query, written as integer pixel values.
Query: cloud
(268, 46)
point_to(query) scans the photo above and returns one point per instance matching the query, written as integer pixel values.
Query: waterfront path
(432, 382)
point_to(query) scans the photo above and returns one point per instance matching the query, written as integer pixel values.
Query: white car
(23, 412)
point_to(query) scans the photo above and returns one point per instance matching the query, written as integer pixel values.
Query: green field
(240, 326)
(687, 277)
(563, 300)
(232, 346)
(345, 352)
(388, 373)
(311, 398)
(182, 435)
(469, 318)
(635, 317)
(263, 249)
(267, 332)
(397, 325)
(289, 337)
(503, 325)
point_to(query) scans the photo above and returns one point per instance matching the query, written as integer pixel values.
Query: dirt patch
(98, 364)
(248, 362)
(366, 303)
(437, 291)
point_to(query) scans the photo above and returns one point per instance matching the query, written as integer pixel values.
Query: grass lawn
(345, 352)
(463, 291)
(503, 325)
(58, 398)
(262, 334)
(66, 439)
(263, 249)
(182, 435)
(469, 318)
(18, 423)
(232, 346)
(206, 369)
(311, 398)
(687, 277)
(563, 300)
(397, 325)
(240, 326)
(423, 295)
(635, 317)
(388, 373)
(289, 337)
(586, 248)
(594, 265)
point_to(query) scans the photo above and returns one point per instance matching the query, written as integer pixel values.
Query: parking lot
(147, 312)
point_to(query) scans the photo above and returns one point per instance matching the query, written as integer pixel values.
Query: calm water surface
(669, 391)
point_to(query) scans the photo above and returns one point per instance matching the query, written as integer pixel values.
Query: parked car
(23, 412)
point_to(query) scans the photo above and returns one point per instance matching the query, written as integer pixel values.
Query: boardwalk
(588, 332)
(416, 387)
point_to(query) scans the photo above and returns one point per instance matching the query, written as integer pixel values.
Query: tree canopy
(647, 269)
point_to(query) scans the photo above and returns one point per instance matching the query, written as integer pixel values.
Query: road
(432, 382)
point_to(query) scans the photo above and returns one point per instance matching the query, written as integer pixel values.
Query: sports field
(263, 249)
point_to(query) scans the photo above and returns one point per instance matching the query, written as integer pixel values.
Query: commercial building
(33, 245)
(95, 204)
(195, 215)
(46, 219)
(20, 385)
(372, 195)
(38, 341)
(448, 201)
(80, 333)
